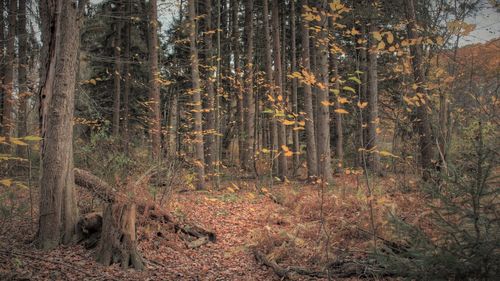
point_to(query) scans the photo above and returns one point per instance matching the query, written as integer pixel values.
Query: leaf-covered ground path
(234, 215)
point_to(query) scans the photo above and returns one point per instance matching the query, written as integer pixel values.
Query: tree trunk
(8, 81)
(126, 86)
(248, 97)
(339, 145)
(295, 103)
(117, 72)
(238, 81)
(195, 73)
(283, 161)
(2, 59)
(61, 22)
(312, 162)
(22, 70)
(423, 122)
(373, 119)
(211, 121)
(324, 161)
(154, 87)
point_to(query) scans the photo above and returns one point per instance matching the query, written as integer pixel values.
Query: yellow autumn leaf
(341, 111)
(285, 148)
(354, 31)
(288, 122)
(377, 35)
(390, 37)
(384, 153)
(288, 153)
(325, 103)
(17, 141)
(381, 45)
(342, 100)
(231, 190)
(6, 182)
(362, 104)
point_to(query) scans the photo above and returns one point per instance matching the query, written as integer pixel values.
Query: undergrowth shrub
(461, 237)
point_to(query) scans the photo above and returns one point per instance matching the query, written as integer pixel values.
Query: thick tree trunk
(270, 83)
(423, 122)
(312, 162)
(248, 98)
(22, 70)
(323, 139)
(211, 144)
(8, 81)
(195, 73)
(238, 82)
(154, 86)
(61, 21)
(117, 75)
(278, 75)
(173, 126)
(373, 119)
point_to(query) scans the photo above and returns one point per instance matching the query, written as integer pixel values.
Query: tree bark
(195, 73)
(238, 81)
(295, 103)
(283, 161)
(61, 22)
(270, 83)
(117, 75)
(211, 122)
(2, 59)
(22, 70)
(154, 86)
(8, 81)
(128, 75)
(312, 162)
(373, 119)
(323, 139)
(423, 123)
(248, 98)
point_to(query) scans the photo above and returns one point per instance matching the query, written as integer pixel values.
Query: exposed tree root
(338, 269)
(91, 224)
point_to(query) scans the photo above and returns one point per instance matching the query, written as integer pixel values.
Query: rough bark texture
(339, 131)
(195, 73)
(2, 59)
(238, 81)
(323, 132)
(373, 119)
(211, 144)
(22, 70)
(126, 86)
(117, 75)
(312, 161)
(270, 81)
(423, 122)
(61, 41)
(295, 103)
(154, 86)
(248, 97)
(8, 81)
(118, 239)
(278, 75)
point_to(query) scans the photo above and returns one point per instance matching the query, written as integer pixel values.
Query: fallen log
(288, 272)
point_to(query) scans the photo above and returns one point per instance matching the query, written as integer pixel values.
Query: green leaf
(32, 138)
(355, 79)
(347, 88)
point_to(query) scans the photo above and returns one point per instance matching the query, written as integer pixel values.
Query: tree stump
(118, 238)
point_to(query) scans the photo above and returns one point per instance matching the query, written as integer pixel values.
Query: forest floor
(285, 222)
